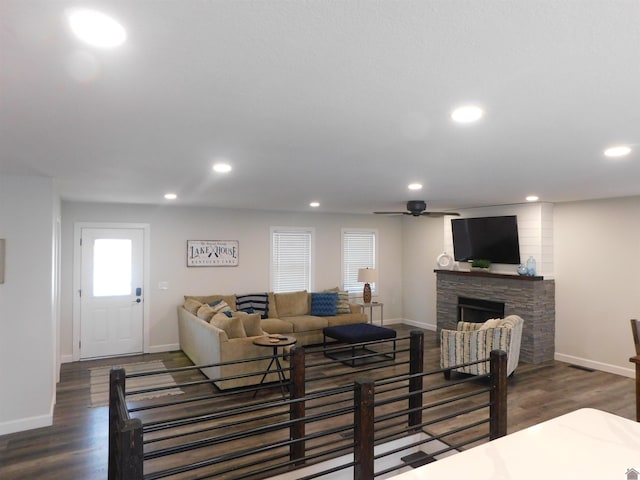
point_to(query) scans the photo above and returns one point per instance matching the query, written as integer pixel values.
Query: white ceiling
(345, 102)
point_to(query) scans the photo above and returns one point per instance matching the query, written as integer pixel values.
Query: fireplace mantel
(532, 298)
(476, 273)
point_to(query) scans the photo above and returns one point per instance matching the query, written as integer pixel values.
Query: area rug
(100, 382)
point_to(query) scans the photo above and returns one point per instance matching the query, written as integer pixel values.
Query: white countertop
(584, 444)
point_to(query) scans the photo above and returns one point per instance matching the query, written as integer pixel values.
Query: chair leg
(447, 374)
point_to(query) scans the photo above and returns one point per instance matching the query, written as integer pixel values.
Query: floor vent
(580, 367)
(417, 459)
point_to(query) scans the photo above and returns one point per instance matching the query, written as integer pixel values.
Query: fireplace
(473, 294)
(477, 310)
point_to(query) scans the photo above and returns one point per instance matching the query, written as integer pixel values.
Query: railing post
(416, 366)
(498, 409)
(131, 455)
(297, 408)
(363, 428)
(116, 379)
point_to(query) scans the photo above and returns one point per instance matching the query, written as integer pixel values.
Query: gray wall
(28, 308)
(597, 246)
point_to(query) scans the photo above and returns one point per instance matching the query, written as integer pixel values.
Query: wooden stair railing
(126, 456)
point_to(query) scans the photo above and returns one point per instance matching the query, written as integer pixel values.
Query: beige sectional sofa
(208, 338)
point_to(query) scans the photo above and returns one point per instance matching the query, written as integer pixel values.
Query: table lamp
(367, 275)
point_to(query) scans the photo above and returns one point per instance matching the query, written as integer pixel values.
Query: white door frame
(77, 264)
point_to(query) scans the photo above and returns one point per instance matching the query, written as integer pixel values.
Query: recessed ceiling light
(170, 196)
(314, 204)
(618, 151)
(222, 167)
(415, 186)
(467, 114)
(532, 198)
(96, 28)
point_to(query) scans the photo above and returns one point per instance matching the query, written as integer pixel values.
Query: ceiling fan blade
(391, 213)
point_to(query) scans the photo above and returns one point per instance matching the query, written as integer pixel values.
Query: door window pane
(112, 267)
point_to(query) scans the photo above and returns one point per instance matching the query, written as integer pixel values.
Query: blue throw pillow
(324, 304)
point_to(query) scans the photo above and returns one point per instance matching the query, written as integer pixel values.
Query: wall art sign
(212, 253)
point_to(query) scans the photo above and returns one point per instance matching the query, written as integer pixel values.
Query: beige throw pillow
(205, 312)
(251, 323)
(232, 326)
(191, 305)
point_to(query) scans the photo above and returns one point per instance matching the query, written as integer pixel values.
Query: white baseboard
(25, 424)
(152, 349)
(425, 326)
(604, 367)
(163, 348)
(66, 358)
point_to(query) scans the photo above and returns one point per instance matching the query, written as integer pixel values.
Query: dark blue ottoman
(357, 333)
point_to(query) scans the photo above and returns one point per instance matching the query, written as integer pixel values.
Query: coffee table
(266, 341)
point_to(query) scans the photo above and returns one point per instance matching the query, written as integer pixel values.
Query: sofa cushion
(347, 318)
(304, 323)
(230, 299)
(191, 305)
(276, 325)
(324, 304)
(273, 309)
(205, 312)
(233, 326)
(292, 303)
(259, 302)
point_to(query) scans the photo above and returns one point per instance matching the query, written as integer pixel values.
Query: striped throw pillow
(259, 302)
(220, 307)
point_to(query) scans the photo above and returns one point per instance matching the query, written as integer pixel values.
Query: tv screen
(487, 238)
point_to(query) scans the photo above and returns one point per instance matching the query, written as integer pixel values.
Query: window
(291, 259)
(358, 251)
(112, 267)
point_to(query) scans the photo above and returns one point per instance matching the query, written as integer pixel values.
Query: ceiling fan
(416, 208)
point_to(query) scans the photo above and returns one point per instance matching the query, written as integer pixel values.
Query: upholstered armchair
(474, 341)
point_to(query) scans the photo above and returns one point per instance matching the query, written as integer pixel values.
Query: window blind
(291, 259)
(358, 251)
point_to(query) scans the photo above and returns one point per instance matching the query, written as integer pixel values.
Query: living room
(594, 244)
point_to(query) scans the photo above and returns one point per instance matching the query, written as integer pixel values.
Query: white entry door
(111, 292)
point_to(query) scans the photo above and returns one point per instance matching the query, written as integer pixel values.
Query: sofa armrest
(201, 341)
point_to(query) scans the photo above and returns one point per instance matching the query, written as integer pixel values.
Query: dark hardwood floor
(75, 446)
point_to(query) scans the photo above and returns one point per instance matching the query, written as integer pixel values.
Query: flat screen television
(487, 238)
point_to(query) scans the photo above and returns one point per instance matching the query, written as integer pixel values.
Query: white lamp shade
(367, 275)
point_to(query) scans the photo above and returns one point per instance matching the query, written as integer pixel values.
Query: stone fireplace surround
(532, 298)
